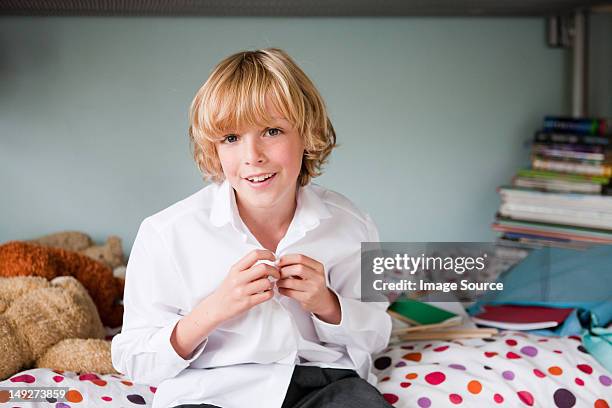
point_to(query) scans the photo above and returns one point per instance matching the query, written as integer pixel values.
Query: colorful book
(448, 334)
(566, 166)
(592, 235)
(562, 176)
(556, 151)
(584, 126)
(560, 186)
(420, 313)
(521, 236)
(576, 147)
(555, 137)
(519, 317)
(538, 241)
(581, 202)
(565, 216)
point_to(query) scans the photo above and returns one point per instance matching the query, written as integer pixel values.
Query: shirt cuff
(328, 332)
(168, 356)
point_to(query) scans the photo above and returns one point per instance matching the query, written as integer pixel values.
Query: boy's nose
(254, 152)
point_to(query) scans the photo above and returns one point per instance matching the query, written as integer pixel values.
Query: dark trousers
(314, 387)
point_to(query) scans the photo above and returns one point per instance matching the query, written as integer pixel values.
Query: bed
(512, 369)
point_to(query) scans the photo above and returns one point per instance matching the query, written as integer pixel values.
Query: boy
(247, 292)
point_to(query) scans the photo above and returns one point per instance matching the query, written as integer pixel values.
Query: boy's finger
(296, 270)
(255, 255)
(295, 284)
(259, 271)
(294, 294)
(261, 297)
(292, 259)
(259, 285)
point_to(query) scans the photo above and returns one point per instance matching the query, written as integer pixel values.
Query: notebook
(421, 313)
(515, 317)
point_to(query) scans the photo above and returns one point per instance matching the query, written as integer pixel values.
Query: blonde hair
(235, 95)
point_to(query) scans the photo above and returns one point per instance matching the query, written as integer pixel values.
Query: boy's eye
(230, 139)
(274, 131)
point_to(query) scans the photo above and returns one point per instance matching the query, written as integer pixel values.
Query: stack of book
(417, 320)
(565, 198)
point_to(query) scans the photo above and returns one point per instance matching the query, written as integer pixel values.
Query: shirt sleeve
(153, 289)
(365, 325)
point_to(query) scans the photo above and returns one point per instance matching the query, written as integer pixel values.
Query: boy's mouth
(260, 180)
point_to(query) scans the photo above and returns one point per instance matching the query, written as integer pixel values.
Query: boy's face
(263, 164)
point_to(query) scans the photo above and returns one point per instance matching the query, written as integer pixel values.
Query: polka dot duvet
(512, 369)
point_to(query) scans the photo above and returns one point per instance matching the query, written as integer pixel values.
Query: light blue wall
(431, 115)
(600, 66)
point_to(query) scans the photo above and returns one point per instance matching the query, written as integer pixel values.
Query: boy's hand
(246, 285)
(303, 279)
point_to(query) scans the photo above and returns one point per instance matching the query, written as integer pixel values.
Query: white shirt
(182, 254)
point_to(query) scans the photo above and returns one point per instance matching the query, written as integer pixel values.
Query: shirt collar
(309, 211)
(224, 205)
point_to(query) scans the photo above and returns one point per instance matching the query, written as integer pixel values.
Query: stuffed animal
(111, 253)
(50, 324)
(19, 258)
(68, 240)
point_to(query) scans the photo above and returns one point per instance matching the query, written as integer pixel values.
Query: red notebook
(514, 317)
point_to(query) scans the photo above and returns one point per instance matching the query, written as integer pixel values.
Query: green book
(415, 312)
(554, 175)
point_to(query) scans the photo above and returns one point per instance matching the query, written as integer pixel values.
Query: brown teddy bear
(50, 324)
(68, 240)
(111, 253)
(18, 258)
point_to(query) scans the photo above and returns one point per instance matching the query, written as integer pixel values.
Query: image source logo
(444, 271)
